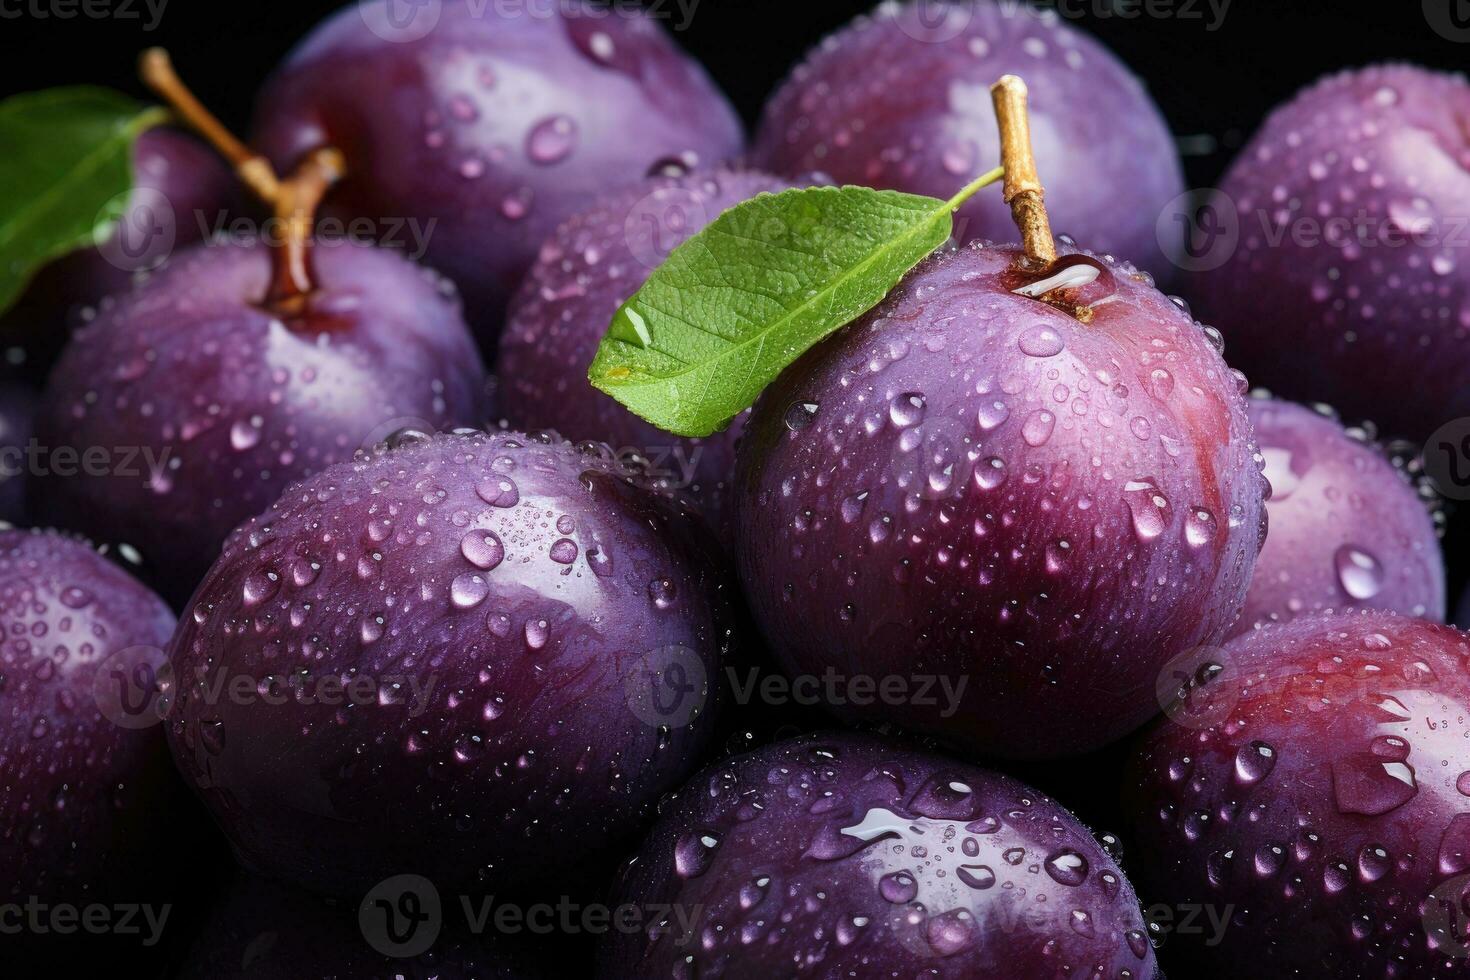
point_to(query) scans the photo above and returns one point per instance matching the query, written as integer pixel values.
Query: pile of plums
(429, 647)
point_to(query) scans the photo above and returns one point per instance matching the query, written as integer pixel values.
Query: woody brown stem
(297, 200)
(254, 170)
(1023, 190)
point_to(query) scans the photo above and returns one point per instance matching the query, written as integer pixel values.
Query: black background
(1214, 85)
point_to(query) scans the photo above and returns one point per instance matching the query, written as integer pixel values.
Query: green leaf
(64, 174)
(735, 304)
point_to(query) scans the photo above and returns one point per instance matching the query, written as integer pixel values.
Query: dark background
(1214, 85)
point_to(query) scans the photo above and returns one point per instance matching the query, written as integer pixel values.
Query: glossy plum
(1043, 498)
(497, 603)
(1345, 281)
(87, 797)
(901, 99)
(488, 124)
(204, 405)
(595, 261)
(839, 854)
(181, 194)
(1348, 529)
(1313, 786)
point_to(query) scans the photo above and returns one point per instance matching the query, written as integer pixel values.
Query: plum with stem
(1030, 473)
(188, 404)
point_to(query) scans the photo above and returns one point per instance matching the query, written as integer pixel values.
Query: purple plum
(17, 422)
(1042, 499)
(596, 261)
(489, 124)
(87, 795)
(1311, 792)
(901, 99)
(1348, 529)
(507, 645)
(848, 855)
(181, 194)
(1344, 281)
(198, 404)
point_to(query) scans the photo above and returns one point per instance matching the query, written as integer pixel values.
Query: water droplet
(907, 410)
(1041, 340)
(1067, 867)
(1254, 762)
(1358, 572)
(1151, 510)
(694, 852)
(799, 415)
(468, 590)
(551, 140)
(483, 549)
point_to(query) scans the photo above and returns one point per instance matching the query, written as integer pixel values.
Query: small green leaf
(739, 301)
(64, 174)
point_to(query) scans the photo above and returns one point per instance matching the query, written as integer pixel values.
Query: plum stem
(1023, 190)
(254, 170)
(296, 205)
(294, 200)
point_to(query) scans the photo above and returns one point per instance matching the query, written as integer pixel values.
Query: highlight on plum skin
(1311, 786)
(1044, 484)
(854, 854)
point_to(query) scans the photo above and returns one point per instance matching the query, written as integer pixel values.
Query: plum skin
(1348, 530)
(1312, 784)
(233, 404)
(1377, 305)
(976, 485)
(495, 126)
(900, 99)
(597, 260)
(84, 801)
(517, 582)
(852, 855)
